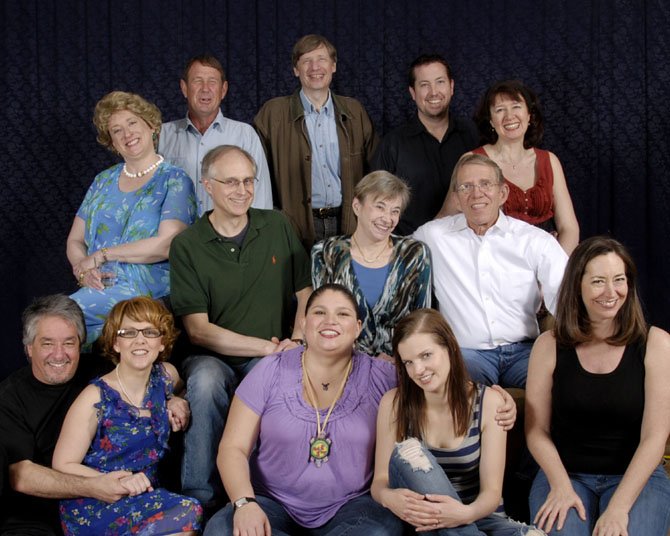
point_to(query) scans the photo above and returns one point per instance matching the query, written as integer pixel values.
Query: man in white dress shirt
(185, 142)
(491, 273)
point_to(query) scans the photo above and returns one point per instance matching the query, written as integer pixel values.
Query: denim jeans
(359, 516)
(210, 385)
(650, 515)
(424, 475)
(506, 365)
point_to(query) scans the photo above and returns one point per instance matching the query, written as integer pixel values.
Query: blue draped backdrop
(600, 68)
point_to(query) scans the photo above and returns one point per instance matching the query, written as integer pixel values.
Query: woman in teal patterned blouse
(129, 215)
(389, 275)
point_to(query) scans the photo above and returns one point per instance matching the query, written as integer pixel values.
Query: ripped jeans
(413, 467)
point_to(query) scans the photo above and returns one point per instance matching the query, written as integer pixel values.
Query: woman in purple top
(297, 452)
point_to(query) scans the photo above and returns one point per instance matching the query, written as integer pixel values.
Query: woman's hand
(410, 506)
(612, 523)
(136, 484)
(555, 508)
(250, 520)
(92, 279)
(179, 413)
(87, 273)
(451, 513)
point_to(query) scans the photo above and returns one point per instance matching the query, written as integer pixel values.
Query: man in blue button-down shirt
(185, 142)
(319, 145)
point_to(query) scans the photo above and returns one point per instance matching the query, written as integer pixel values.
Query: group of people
(323, 394)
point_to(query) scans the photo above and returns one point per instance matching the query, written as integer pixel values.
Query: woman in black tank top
(597, 405)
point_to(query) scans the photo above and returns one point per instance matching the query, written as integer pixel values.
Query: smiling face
(204, 90)
(131, 135)
(432, 90)
(331, 325)
(230, 202)
(510, 117)
(315, 69)
(604, 287)
(377, 218)
(139, 352)
(54, 352)
(425, 361)
(482, 204)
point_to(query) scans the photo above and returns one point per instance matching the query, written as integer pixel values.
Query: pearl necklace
(144, 172)
(360, 250)
(123, 390)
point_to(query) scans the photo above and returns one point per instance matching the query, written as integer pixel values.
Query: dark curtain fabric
(599, 67)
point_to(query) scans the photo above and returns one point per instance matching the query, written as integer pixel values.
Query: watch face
(241, 502)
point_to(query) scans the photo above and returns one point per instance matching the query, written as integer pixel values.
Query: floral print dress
(113, 217)
(127, 441)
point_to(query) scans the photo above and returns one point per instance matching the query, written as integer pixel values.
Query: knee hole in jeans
(410, 451)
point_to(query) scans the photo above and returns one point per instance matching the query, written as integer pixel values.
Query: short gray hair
(382, 185)
(214, 154)
(475, 158)
(58, 305)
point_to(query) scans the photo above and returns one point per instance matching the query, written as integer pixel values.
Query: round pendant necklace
(123, 390)
(370, 261)
(319, 446)
(143, 172)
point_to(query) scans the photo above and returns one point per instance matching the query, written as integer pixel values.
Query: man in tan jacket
(318, 145)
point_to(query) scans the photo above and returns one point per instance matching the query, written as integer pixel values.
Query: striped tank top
(461, 464)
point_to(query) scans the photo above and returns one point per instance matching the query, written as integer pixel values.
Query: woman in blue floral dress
(130, 214)
(120, 422)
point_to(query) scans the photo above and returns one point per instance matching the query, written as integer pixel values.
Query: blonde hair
(118, 101)
(382, 185)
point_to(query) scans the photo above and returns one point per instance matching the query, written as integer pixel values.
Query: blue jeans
(424, 475)
(650, 515)
(210, 385)
(506, 365)
(359, 516)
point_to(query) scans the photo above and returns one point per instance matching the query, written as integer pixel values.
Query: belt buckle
(323, 212)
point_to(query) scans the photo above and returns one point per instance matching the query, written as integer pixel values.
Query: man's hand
(108, 487)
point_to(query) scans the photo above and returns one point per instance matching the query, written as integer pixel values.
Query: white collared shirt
(488, 287)
(182, 145)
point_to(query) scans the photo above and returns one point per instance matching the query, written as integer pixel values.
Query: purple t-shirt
(280, 466)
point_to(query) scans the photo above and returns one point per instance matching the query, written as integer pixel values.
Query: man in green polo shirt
(233, 277)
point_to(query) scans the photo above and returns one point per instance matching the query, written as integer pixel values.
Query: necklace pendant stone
(319, 449)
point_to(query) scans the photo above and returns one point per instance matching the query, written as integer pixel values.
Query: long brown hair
(410, 402)
(573, 325)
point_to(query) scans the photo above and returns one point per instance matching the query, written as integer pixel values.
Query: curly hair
(140, 309)
(518, 91)
(119, 101)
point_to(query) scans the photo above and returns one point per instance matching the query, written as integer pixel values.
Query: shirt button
(232, 250)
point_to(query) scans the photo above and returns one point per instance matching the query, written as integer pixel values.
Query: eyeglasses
(484, 186)
(131, 333)
(234, 184)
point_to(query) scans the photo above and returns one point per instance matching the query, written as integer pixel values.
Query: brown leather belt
(327, 212)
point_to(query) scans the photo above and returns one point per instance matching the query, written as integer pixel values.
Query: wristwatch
(239, 503)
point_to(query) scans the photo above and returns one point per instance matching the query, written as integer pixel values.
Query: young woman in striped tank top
(440, 454)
